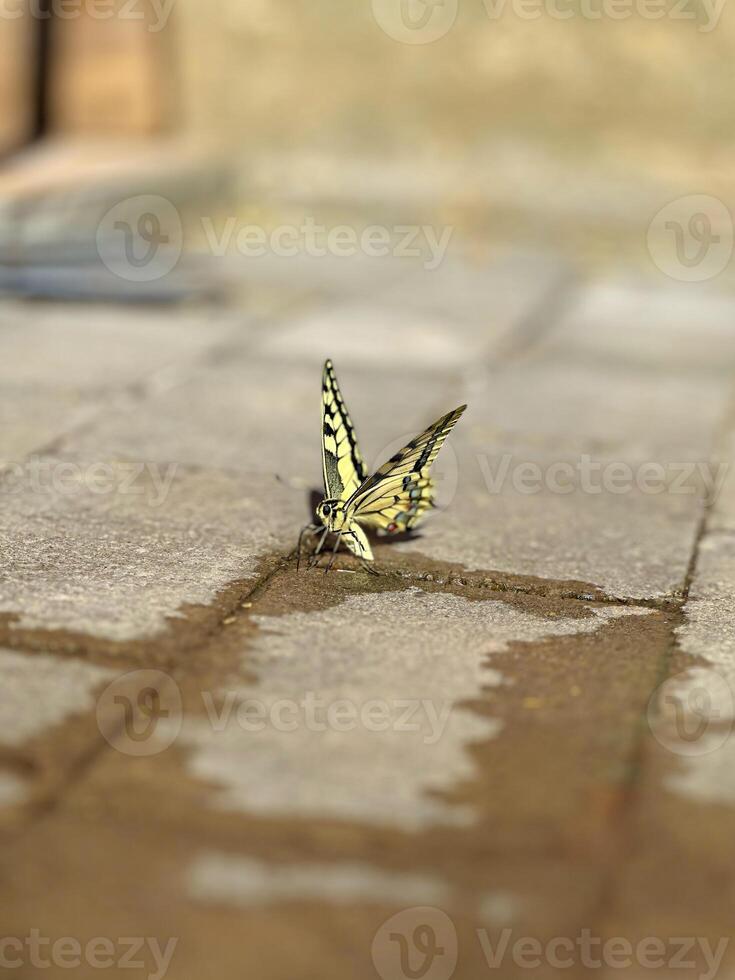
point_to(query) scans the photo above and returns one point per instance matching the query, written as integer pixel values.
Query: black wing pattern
(397, 496)
(343, 466)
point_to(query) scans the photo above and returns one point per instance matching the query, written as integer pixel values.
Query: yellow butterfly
(393, 499)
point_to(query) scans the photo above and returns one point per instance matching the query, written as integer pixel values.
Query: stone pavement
(520, 729)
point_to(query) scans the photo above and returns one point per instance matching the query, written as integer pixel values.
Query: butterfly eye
(326, 510)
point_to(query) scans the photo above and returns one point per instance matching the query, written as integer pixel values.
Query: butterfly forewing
(397, 496)
(343, 466)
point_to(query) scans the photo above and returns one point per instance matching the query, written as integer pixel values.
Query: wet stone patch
(378, 678)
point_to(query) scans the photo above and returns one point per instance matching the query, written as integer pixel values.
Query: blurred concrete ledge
(77, 215)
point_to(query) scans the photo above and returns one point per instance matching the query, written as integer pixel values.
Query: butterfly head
(331, 513)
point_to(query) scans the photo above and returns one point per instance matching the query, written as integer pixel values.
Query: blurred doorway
(81, 76)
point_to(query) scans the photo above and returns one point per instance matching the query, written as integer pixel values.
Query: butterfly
(394, 499)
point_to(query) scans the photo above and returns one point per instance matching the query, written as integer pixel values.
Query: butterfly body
(394, 499)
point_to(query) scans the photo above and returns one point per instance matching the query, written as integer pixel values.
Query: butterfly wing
(342, 463)
(356, 540)
(397, 496)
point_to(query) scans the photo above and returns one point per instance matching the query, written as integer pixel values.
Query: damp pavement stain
(38, 692)
(357, 710)
(216, 877)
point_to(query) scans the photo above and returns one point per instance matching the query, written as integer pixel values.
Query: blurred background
(564, 124)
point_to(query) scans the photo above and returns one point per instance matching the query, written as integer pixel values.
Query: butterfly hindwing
(356, 540)
(343, 466)
(398, 495)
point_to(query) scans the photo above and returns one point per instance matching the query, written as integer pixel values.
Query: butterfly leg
(370, 569)
(304, 529)
(334, 553)
(314, 560)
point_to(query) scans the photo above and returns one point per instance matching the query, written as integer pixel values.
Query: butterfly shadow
(315, 497)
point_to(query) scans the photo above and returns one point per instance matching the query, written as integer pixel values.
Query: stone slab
(33, 417)
(700, 735)
(661, 325)
(39, 692)
(115, 559)
(599, 407)
(100, 347)
(507, 506)
(722, 514)
(433, 320)
(708, 631)
(244, 414)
